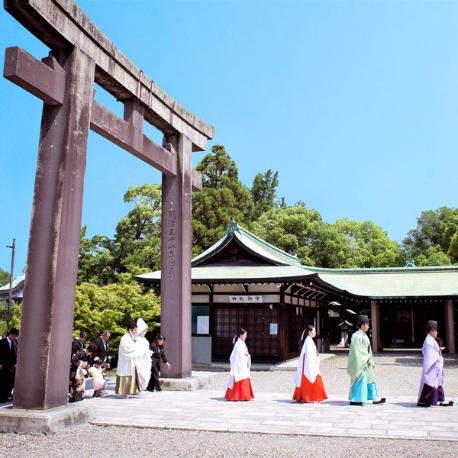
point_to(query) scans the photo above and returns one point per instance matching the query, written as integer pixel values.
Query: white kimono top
(127, 356)
(240, 361)
(310, 365)
(143, 361)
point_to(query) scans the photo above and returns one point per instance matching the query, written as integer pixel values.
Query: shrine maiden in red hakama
(239, 383)
(308, 381)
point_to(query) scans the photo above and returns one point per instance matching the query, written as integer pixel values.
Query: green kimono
(360, 368)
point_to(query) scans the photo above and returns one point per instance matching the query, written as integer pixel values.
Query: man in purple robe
(432, 377)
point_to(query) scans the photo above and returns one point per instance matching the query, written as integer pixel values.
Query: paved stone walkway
(273, 412)
(276, 413)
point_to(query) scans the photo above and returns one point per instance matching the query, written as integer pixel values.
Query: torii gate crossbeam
(81, 55)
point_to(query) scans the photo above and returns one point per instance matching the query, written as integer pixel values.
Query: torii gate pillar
(176, 261)
(80, 56)
(52, 259)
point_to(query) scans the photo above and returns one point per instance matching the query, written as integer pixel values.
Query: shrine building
(244, 282)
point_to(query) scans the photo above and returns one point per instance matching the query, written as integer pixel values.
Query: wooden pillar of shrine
(375, 326)
(450, 326)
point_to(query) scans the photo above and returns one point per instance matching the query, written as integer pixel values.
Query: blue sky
(354, 103)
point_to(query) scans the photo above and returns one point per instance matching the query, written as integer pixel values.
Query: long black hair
(240, 332)
(305, 333)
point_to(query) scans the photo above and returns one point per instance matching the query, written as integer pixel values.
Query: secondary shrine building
(244, 282)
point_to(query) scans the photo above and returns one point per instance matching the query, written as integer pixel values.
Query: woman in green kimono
(361, 365)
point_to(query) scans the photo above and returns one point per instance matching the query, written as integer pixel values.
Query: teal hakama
(360, 368)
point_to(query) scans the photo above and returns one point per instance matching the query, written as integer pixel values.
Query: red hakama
(239, 383)
(310, 392)
(241, 391)
(308, 381)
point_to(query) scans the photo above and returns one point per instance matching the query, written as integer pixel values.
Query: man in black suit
(102, 348)
(8, 359)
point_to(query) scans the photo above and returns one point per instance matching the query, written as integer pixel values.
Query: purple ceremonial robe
(432, 377)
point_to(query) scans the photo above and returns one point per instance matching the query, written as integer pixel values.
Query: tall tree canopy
(367, 245)
(435, 239)
(294, 229)
(223, 197)
(344, 244)
(137, 242)
(95, 263)
(136, 245)
(263, 193)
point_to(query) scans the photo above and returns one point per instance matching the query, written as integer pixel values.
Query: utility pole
(8, 314)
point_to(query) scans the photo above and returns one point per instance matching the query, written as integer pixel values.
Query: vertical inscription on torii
(171, 245)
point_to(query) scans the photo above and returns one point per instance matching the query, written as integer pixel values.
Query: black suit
(102, 350)
(157, 356)
(8, 359)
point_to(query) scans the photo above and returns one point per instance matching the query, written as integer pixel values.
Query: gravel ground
(396, 374)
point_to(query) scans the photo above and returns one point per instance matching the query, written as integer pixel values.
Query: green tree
(294, 229)
(136, 247)
(345, 244)
(368, 245)
(95, 264)
(15, 311)
(4, 277)
(453, 248)
(113, 307)
(331, 249)
(434, 256)
(263, 193)
(435, 229)
(223, 197)
(15, 317)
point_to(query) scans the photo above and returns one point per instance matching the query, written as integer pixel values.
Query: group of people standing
(139, 362)
(138, 366)
(360, 367)
(89, 362)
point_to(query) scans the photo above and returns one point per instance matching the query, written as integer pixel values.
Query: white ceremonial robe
(143, 361)
(310, 365)
(127, 356)
(240, 363)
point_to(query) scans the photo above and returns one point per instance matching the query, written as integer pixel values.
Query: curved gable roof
(254, 245)
(17, 289)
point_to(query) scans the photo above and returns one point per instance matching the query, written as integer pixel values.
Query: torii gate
(81, 55)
